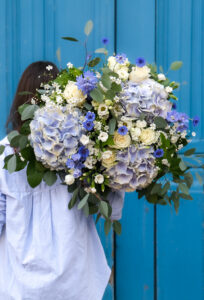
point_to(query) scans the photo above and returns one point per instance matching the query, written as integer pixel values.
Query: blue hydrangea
(55, 136)
(134, 169)
(86, 82)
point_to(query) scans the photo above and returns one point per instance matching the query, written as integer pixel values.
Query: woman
(46, 250)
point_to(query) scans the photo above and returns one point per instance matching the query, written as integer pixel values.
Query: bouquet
(114, 126)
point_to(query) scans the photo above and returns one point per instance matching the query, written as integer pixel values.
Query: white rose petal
(141, 124)
(161, 77)
(69, 179)
(168, 89)
(139, 74)
(99, 179)
(103, 136)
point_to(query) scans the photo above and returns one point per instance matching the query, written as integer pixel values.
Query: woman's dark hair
(31, 79)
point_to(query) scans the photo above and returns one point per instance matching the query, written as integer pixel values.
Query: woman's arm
(2, 211)
(116, 200)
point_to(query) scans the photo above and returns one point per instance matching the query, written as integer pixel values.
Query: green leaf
(19, 141)
(107, 226)
(11, 164)
(190, 152)
(117, 227)
(2, 148)
(186, 197)
(28, 112)
(50, 177)
(112, 125)
(87, 106)
(86, 209)
(199, 178)
(12, 134)
(88, 27)
(34, 176)
(69, 38)
(156, 189)
(71, 188)
(165, 188)
(176, 65)
(101, 50)
(83, 201)
(160, 122)
(97, 95)
(97, 218)
(106, 81)
(182, 166)
(25, 93)
(103, 206)
(28, 153)
(22, 107)
(73, 200)
(25, 128)
(188, 177)
(184, 189)
(94, 62)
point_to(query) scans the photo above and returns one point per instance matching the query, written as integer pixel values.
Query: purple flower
(159, 153)
(79, 165)
(140, 62)
(122, 130)
(86, 82)
(70, 163)
(196, 121)
(120, 58)
(183, 118)
(172, 116)
(90, 116)
(84, 152)
(182, 127)
(77, 173)
(88, 125)
(76, 157)
(174, 105)
(105, 41)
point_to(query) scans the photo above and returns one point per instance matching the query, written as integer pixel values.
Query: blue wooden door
(159, 255)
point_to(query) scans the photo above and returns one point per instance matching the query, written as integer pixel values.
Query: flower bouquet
(116, 127)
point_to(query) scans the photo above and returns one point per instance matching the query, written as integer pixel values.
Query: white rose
(168, 89)
(73, 94)
(108, 158)
(148, 136)
(103, 136)
(161, 77)
(99, 179)
(139, 74)
(84, 139)
(123, 73)
(141, 124)
(121, 141)
(111, 62)
(69, 179)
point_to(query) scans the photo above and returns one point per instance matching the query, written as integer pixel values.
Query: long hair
(31, 79)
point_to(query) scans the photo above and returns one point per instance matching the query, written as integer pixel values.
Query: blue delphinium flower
(76, 157)
(88, 125)
(105, 41)
(77, 173)
(90, 116)
(182, 127)
(172, 116)
(159, 153)
(86, 82)
(196, 121)
(121, 58)
(140, 62)
(84, 152)
(122, 130)
(70, 163)
(183, 118)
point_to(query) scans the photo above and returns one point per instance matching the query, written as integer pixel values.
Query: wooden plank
(134, 248)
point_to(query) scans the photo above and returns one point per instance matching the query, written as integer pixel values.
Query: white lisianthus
(121, 141)
(98, 75)
(168, 89)
(123, 73)
(73, 94)
(139, 74)
(148, 136)
(99, 179)
(84, 139)
(90, 162)
(103, 110)
(141, 124)
(69, 65)
(103, 136)
(161, 77)
(69, 179)
(108, 158)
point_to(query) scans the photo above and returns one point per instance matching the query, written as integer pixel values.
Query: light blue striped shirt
(46, 250)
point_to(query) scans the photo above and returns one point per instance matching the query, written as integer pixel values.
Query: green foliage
(107, 226)
(28, 112)
(2, 148)
(88, 27)
(160, 122)
(106, 81)
(112, 125)
(83, 202)
(96, 95)
(94, 62)
(69, 38)
(11, 164)
(103, 206)
(64, 76)
(50, 177)
(176, 65)
(101, 50)
(73, 200)
(34, 175)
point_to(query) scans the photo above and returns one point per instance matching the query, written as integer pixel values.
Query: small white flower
(97, 125)
(193, 133)
(183, 134)
(180, 147)
(69, 179)
(165, 162)
(141, 124)
(49, 67)
(161, 77)
(174, 139)
(46, 86)
(98, 75)
(103, 136)
(153, 126)
(69, 65)
(99, 179)
(84, 139)
(90, 190)
(59, 99)
(168, 89)
(32, 101)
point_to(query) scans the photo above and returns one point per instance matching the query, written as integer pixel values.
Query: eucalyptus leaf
(188, 177)
(103, 206)
(182, 165)
(94, 62)
(25, 93)
(112, 125)
(2, 148)
(83, 201)
(107, 226)
(34, 176)
(11, 164)
(86, 209)
(28, 112)
(199, 178)
(50, 177)
(190, 152)
(184, 188)
(73, 200)
(185, 196)
(101, 50)
(69, 38)
(87, 106)
(88, 27)
(106, 81)
(96, 95)
(12, 134)
(176, 65)
(117, 227)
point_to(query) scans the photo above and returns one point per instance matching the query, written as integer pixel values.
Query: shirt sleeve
(2, 211)
(116, 200)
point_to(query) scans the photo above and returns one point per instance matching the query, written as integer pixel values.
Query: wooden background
(160, 255)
